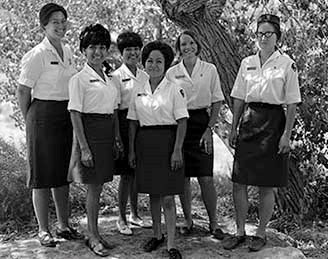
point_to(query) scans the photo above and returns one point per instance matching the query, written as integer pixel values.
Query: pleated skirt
(256, 160)
(154, 147)
(121, 164)
(99, 132)
(197, 162)
(49, 141)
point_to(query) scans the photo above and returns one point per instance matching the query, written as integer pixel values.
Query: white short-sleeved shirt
(202, 88)
(127, 82)
(165, 106)
(46, 73)
(276, 82)
(89, 93)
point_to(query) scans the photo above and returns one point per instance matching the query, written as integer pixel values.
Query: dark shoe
(46, 239)
(257, 243)
(218, 233)
(69, 234)
(97, 247)
(187, 231)
(233, 241)
(174, 254)
(152, 244)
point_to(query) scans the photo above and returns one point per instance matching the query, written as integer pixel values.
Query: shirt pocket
(51, 72)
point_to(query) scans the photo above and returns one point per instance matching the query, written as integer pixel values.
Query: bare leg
(134, 198)
(209, 197)
(168, 203)
(240, 198)
(60, 196)
(92, 205)
(123, 194)
(40, 199)
(185, 199)
(265, 208)
(155, 207)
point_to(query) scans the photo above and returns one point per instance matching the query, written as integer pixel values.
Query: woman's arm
(238, 108)
(207, 138)
(24, 99)
(133, 127)
(176, 157)
(118, 144)
(284, 143)
(86, 155)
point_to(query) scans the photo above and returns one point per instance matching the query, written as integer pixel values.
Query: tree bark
(203, 18)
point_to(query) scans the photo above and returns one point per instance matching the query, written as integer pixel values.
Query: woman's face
(155, 64)
(57, 26)
(266, 37)
(96, 54)
(188, 46)
(131, 56)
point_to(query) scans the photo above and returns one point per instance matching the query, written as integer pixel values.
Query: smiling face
(56, 27)
(155, 64)
(188, 46)
(131, 56)
(96, 54)
(267, 37)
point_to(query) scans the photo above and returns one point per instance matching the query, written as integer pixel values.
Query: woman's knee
(168, 202)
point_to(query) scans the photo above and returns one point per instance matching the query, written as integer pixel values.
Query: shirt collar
(195, 69)
(273, 56)
(128, 71)
(93, 74)
(162, 84)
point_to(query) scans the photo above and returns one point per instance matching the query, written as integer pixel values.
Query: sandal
(46, 239)
(218, 233)
(69, 233)
(257, 243)
(97, 248)
(187, 231)
(124, 229)
(106, 244)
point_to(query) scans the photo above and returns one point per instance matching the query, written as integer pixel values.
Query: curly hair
(94, 34)
(164, 48)
(128, 39)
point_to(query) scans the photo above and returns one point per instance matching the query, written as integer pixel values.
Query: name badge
(180, 76)
(251, 68)
(94, 80)
(126, 79)
(141, 94)
(54, 62)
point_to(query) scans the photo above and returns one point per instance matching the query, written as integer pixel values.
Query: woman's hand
(207, 141)
(176, 160)
(86, 157)
(132, 159)
(233, 138)
(284, 145)
(118, 148)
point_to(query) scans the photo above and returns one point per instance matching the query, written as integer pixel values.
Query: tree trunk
(203, 18)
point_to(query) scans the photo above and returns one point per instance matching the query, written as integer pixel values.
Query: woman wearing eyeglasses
(265, 82)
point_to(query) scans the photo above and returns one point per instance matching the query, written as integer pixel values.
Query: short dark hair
(94, 34)
(47, 10)
(193, 36)
(128, 39)
(164, 48)
(273, 20)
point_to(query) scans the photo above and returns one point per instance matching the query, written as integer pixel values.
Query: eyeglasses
(266, 34)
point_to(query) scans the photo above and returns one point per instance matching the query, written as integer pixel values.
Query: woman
(201, 83)
(264, 83)
(93, 100)
(158, 117)
(43, 96)
(129, 77)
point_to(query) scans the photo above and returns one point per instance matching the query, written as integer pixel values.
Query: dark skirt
(99, 132)
(197, 162)
(154, 146)
(256, 160)
(121, 164)
(49, 143)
